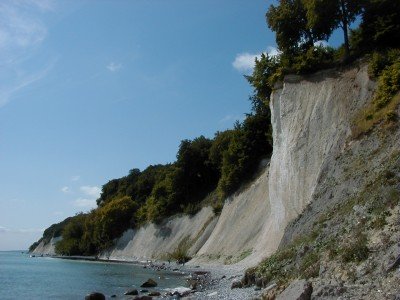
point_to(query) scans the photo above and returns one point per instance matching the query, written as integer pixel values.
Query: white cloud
(229, 118)
(85, 203)
(75, 178)
(65, 189)
(321, 44)
(113, 67)
(244, 62)
(91, 191)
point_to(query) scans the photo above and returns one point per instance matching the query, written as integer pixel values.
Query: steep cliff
(47, 248)
(312, 120)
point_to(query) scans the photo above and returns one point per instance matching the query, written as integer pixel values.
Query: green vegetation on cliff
(207, 171)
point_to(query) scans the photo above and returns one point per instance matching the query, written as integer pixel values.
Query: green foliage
(71, 236)
(380, 60)
(314, 59)
(385, 65)
(388, 85)
(380, 26)
(288, 20)
(111, 220)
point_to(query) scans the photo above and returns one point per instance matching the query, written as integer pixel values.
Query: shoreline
(204, 281)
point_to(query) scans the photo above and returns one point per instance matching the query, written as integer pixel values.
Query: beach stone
(297, 290)
(236, 284)
(95, 296)
(149, 283)
(154, 294)
(143, 298)
(132, 292)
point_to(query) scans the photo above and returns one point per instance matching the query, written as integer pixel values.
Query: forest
(209, 170)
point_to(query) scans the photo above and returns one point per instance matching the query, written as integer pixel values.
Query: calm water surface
(23, 277)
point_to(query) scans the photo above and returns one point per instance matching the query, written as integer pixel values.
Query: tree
(380, 26)
(288, 20)
(326, 15)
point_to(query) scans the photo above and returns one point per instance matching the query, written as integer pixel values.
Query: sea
(25, 277)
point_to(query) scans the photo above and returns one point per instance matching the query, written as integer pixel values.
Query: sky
(92, 89)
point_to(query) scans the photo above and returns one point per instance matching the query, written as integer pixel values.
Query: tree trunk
(345, 27)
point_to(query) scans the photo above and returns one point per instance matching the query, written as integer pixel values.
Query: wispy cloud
(88, 201)
(65, 189)
(85, 203)
(19, 230)
(114, 67)
(91, 191)
(7, 92)
(244, 62)
(75, 177)
(229, 118)
(22, 31)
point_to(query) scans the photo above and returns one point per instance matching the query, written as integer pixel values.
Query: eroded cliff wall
(311, 120)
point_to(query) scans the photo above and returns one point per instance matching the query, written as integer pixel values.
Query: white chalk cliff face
(311, 121)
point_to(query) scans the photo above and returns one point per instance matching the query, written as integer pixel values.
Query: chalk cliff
(311, 120)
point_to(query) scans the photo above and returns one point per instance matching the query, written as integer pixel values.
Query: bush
(356, 249)
(314, 59)
(381, 60)
(180, 254)
(388, 85)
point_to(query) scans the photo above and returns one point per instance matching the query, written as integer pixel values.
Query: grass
(337, 234)
(371, 116)
(181, 253)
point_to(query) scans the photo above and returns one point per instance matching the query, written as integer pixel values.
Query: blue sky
(92, 89)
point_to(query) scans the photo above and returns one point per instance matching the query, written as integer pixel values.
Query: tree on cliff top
(327, 15)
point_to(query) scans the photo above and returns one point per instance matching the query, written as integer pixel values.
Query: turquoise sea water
(24, 277)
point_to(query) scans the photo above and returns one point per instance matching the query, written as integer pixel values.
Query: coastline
(204, 281)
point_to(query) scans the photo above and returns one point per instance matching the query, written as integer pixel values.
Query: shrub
(355, 249)
(314, 59)
(181, 253)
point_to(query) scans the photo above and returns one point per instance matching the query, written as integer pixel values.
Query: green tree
(380, 26)
(289, 21)
(326, 15)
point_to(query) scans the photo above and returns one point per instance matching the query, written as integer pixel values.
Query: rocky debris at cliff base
(297, 290)
(95, 296)
(132, 292)
(149, 283)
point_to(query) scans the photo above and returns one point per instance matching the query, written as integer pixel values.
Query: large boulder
(236, 284)
(132, 292)
(95, 296)
(149, 283)
(297, 290)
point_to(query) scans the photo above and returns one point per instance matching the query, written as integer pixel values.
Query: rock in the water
(149, 283)
(143, 298)
(236, 284)
(132, 292)
(113, 296)
(297, 290)
(155, 294)
(95, 296)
